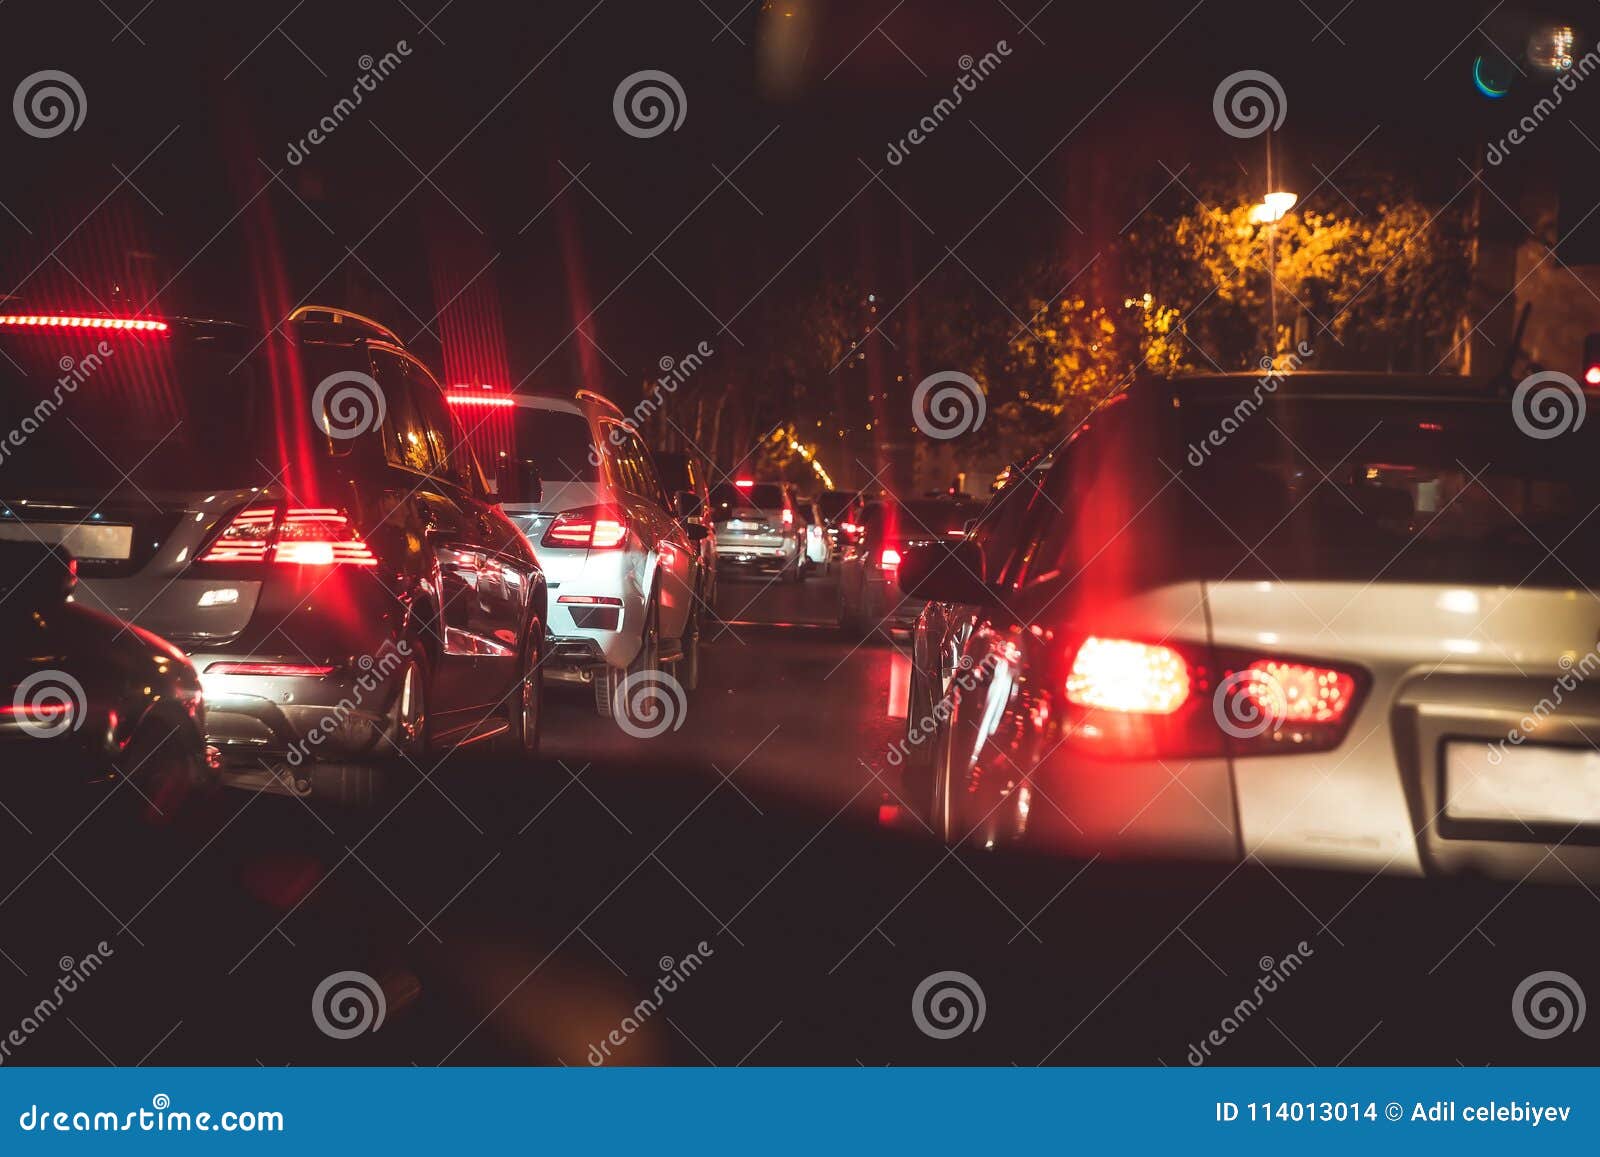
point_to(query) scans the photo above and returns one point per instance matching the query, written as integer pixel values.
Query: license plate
(1530, 784)
(89, 540)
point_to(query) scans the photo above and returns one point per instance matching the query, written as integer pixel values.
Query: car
(299, 514)
(87, 700)
(841, 515)
(816, 550)
(757, 529)
(1339, 620)
(870, 600)
(623, 568)
(688, 480)
(940, 632)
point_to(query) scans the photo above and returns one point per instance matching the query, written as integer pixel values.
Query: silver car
(757, 529)
(1328, 620)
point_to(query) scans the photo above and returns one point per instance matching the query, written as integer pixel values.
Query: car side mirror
(695, 531)
(686, 504)
(517, 483)
(946, 572)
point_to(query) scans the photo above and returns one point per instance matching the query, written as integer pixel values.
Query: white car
(1331, 620)
(619, 565)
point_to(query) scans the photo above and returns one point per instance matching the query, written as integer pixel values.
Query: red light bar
(308, 670)
(1592, 375)
(744, 483)
(590, 600)
(68, 321)
(479, 400)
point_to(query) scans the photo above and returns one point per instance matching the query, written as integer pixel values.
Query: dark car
(296, 511)
(1302, 622)
(688, 480)
(870, 599)
(841, 515)
(939, 635)
(86, 699)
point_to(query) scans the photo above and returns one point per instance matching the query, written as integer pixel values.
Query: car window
(649, 482)
(405, 433)
(442, 433)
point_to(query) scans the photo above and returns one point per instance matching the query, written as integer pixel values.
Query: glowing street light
(1272, 208)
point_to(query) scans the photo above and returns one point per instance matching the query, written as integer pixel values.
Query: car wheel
(689, 665)
(526, 707)
(609, 679)
(409, 723)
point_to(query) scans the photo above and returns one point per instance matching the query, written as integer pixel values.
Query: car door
(676, 557)
(488, 581)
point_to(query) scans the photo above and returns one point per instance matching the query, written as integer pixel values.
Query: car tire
(609, 679)
(525, 710)
(410, 736)
(689, 665)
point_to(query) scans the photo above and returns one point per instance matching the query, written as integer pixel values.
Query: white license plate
(1530, 784)
(96, 540)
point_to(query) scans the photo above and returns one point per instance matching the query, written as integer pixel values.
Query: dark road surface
(520, 915)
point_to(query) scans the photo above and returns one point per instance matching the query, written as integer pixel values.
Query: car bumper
(586, 634)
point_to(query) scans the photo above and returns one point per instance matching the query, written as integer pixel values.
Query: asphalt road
(515, 914)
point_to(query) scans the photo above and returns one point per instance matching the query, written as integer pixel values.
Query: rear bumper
(300, 719)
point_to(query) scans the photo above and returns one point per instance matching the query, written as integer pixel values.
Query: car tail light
(303, 670)
(298, 536)
(590, 600)
(591, 528)
(1132, 699)
(73, 321)
(788, 516)
(320, 536)
(480, 400)
(1120, 675)
(888, 558)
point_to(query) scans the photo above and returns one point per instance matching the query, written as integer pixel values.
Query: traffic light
(1591, 360)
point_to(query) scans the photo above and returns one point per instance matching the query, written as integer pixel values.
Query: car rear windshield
(763, 496)
(833, 503)
(82, 411)
(917, 520)
(558, 443)
(1404, 490)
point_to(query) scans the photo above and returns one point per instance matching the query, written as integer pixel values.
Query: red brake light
(480, 400)
(320, 536)
(245, 539)
(300, 536)
(71, 321)
(1592, 375)
(788, 516)
(1289, 693)
(744, 483)
(889, 559)
(1119, 675)
(592, 528)
(305, 670)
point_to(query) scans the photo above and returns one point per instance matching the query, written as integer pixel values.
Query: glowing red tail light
(247, 538)
(1296, 693)
(788, 516)
(73, 321)
(298, 536)
(888, 558)
(480, 400)
(302, 670)
(1119, 675)
(591, 528)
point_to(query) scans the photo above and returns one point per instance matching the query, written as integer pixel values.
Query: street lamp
(1272, 208)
